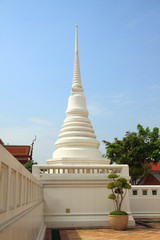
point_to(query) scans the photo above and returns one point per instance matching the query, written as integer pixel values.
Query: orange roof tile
(155, 167)
(149, 179)
(18, 150)
(22, 153)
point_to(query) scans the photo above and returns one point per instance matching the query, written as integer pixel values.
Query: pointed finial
(76, 86)
(76, 40)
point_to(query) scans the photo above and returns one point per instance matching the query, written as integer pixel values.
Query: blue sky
(119, 50)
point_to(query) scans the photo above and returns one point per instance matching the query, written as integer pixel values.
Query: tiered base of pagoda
(75, 161)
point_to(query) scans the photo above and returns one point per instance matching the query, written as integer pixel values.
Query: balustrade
(43, 170)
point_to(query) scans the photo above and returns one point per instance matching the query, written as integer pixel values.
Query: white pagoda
(77, 142)
(75, 178)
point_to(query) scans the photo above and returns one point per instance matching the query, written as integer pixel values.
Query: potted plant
(118, 219)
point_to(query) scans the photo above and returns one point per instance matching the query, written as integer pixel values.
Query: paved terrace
(147, 228)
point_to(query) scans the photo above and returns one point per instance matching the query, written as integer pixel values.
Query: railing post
(36, 171)
(124, 170)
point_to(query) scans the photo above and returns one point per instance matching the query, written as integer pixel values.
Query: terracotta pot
(118, 222)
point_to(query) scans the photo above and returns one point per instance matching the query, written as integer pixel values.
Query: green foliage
(29, 164)
(112, 196)
(111, 185)
(112, 175)
(118, 213)
(117, 190)
(137, 149)
(119, 187)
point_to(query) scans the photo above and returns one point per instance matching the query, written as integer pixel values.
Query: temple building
(23, 153)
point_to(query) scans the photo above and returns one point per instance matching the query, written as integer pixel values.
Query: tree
(119, 187)
(29, 164)
(137, 149)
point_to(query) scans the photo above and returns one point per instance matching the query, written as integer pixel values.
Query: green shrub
(118, 213)
(119, 187)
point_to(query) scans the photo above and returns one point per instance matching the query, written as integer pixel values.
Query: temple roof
(21, 152)
(156, 167)
(149, 179)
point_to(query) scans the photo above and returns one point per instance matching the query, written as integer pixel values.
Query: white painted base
(146, 215)
(79, 220)
(131, 221)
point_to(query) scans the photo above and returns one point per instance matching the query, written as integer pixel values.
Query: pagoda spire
(76, 40)
(76, 86)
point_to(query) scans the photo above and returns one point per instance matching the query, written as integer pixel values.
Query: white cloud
(44, 145)
(118, 96)
(121, 99)
(155, 86)
(133, 23)
(126, 102)
(154, 99)
(17, 135)
(99, 112)
(40, 121)
(94, 110)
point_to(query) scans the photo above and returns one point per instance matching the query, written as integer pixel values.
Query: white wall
(145, 205)
(88, 205)
(76, 197)
(25, 227)
(21, 201)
